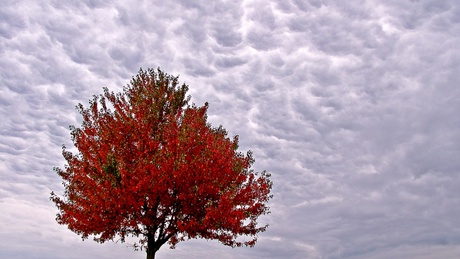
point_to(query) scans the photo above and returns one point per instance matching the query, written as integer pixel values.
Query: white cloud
(352, 106)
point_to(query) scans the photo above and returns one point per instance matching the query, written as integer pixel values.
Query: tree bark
(151, 246)
(151, 253)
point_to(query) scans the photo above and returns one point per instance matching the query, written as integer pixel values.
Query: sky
(352, 106)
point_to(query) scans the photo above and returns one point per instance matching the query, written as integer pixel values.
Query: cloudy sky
(352, 106)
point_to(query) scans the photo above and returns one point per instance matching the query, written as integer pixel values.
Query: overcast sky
(352, 106)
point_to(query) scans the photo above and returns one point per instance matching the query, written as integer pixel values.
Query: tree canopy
(149, 165)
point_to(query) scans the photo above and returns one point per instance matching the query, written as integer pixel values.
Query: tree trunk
(151, 246)
(154, 245)
(151, 253)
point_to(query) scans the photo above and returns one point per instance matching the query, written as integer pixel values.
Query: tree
(150, 166)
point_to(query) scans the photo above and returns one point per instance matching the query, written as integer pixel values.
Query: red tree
(153, 168)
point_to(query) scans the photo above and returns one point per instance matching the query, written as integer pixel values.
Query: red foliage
(154, 168)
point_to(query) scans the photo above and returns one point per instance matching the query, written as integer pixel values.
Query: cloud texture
(352, 106)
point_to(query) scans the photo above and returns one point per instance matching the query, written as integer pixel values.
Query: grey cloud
(226, 35)
(229, 62)
(197, 67)
(10, 23)
(262, 39)
(127, 56)
(352, 106)
(226, 26)
(261, 25)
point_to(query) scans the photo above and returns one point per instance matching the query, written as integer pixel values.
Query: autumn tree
(149, 165)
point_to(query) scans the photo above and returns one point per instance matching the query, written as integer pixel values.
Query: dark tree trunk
(151, 246)
(151, 253)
